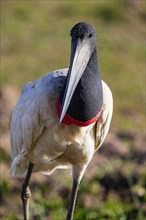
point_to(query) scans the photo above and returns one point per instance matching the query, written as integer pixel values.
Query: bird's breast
(66, 144)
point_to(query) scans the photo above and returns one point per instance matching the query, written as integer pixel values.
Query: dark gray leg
(72, 201)
(25, 193)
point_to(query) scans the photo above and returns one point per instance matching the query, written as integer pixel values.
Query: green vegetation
(35, 40)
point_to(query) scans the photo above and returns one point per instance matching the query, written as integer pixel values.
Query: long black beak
(80, 55)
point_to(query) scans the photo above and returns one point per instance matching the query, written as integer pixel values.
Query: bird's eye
(90, 35)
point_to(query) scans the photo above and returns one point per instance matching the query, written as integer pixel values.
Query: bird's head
(82, 46)
(83, 33)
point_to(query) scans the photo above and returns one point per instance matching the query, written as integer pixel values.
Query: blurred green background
(35, 39)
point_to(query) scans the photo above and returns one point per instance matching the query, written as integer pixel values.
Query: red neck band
(68, 120)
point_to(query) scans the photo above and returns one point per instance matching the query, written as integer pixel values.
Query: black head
(84, 31)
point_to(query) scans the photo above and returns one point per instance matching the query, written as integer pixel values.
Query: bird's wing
(103, 124)
(31, 111)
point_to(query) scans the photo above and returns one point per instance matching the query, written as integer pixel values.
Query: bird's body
(62, 118)
(37, 135)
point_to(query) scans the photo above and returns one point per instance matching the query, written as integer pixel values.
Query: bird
(62, 118)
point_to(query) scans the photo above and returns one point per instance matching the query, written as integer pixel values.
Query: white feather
(38, 137)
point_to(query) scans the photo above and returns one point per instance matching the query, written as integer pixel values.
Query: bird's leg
(25, 193)
(73, 198)
(78, 172)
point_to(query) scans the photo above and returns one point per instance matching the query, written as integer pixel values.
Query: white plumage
(37, 135)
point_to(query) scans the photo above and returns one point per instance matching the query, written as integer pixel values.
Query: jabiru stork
(62, 118)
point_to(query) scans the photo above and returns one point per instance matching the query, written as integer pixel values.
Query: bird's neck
(86, 104)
